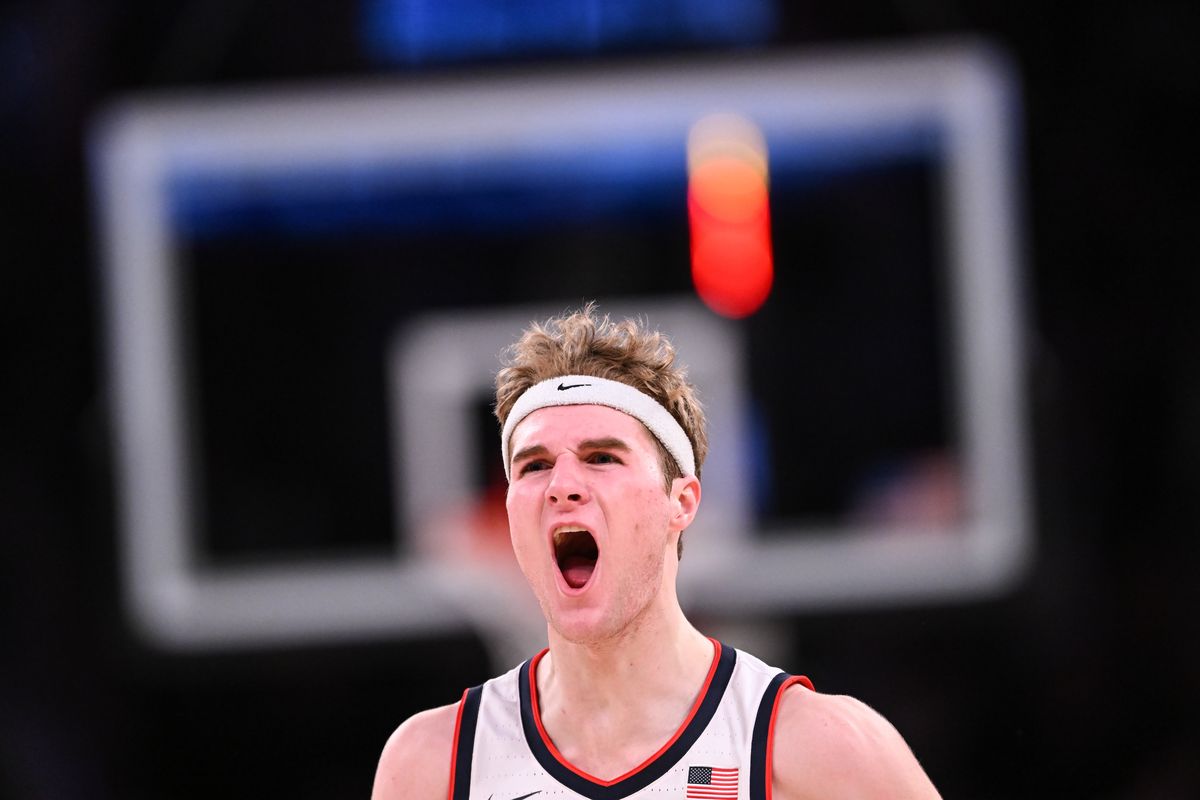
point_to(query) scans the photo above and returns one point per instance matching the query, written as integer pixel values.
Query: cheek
(520, 500)
(524, 515)
(650, 512)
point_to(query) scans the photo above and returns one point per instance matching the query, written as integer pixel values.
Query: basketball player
(603, 439)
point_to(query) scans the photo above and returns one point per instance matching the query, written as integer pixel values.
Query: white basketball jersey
(721, 752)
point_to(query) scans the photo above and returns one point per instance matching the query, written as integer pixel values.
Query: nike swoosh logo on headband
(562, 388)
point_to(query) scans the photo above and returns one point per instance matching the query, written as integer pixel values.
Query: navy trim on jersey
(651, 771)
(760, 739)
(465, 745)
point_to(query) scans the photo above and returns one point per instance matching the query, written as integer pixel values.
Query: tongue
(577, 570)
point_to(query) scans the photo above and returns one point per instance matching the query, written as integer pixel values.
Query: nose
(567, 482)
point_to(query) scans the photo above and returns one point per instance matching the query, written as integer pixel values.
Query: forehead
(562, 426)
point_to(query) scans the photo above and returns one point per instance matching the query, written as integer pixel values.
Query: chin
(589, 626)
(580, 626)
(585, 634)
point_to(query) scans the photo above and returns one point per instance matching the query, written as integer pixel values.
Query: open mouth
(576, 552)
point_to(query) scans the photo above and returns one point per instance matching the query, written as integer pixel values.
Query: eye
(603, 458)
(532, 466)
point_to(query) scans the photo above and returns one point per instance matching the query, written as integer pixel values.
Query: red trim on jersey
(803, 681)
(537, 719)
(454, 746)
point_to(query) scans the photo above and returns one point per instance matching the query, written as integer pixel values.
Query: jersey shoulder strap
(464, 743)
(763, 737)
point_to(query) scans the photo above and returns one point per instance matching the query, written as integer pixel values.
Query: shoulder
(833, 746)
(416, 759)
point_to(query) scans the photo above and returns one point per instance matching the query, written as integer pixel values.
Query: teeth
(561, 532)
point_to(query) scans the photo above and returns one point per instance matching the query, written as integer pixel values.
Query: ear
(685, 498)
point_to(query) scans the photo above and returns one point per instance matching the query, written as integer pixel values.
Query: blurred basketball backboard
(281, 264)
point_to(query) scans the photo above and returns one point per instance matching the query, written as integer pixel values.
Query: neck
(666, 647)
(609, 705)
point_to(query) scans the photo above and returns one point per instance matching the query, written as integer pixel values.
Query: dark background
(1084, 682)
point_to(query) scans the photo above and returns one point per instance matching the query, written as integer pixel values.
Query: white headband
(577, 390)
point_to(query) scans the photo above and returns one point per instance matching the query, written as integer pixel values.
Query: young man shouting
(603, 439)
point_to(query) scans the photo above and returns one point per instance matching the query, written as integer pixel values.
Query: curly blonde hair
(584, 343)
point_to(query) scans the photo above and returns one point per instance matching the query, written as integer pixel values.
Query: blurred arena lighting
(417, 31)
(263, 249)
(729, 214)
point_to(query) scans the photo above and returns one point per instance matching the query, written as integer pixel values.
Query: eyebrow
(606, 443)
(526, 452)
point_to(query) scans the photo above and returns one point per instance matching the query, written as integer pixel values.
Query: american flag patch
(712, 783)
